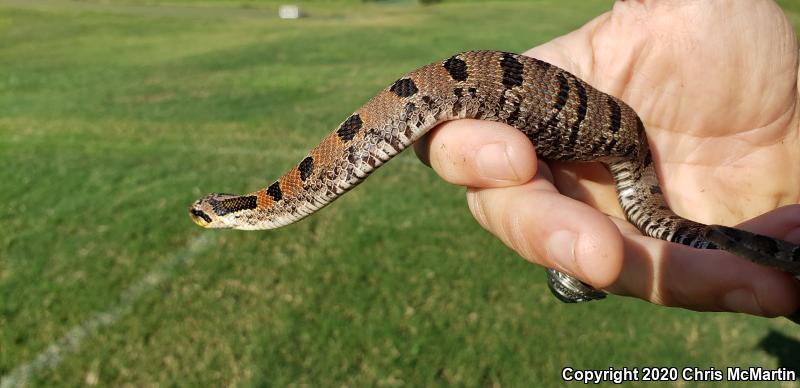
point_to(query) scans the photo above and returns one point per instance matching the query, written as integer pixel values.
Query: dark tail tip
(767, 251)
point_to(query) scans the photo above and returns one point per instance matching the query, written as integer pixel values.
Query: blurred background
(115, 115)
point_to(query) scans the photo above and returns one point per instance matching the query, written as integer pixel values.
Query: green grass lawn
(113, 118)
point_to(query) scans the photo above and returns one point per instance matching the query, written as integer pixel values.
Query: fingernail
(561, 249)
(742, 300)
(493, 163)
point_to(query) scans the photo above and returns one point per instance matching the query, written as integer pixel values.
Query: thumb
(477, 153)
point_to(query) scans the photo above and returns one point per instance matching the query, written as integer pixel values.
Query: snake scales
(565, 118)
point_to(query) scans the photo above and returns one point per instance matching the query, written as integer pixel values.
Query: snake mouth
(199, 217)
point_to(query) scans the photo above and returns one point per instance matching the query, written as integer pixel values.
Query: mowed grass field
(115, 117)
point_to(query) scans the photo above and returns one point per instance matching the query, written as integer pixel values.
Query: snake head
(210, 212)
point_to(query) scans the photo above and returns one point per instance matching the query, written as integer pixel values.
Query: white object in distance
(289, 11)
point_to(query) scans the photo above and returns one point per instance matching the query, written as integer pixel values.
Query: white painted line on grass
(74, 337)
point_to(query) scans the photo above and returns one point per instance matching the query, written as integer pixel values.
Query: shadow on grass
(784, 348)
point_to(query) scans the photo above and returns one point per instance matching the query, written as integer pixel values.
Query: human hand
(716, 86)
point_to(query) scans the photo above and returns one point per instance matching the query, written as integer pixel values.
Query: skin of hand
(715, 83)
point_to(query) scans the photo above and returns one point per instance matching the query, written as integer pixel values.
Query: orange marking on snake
(263, 200)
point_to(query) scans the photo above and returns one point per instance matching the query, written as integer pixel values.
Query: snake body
(566, 118)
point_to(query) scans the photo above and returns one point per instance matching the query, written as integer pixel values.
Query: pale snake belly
(564, 117)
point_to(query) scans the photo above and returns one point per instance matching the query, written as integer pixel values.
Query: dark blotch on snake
(655, 190)
(611, 145)
(583, 105)
(563, 92)
(347, 131)
(232, 205)
(765, 244)
(512, 70)
(428, 101)
(457, 107)
(404, 87)
(351, 154)
(561, 100)
(456, 68)
(630, 151)
(616, 115)
(681, 235)
(274, 191)
(306, 167)
(201, 214)
(410, 108)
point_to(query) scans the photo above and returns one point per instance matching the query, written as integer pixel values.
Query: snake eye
(199, 217)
